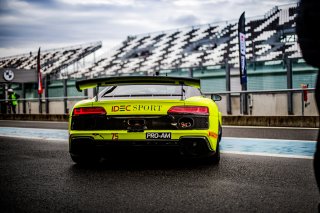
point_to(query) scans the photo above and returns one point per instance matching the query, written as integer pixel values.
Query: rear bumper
(192, 146)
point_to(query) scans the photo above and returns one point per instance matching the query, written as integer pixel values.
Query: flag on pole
(40, 88)
(242, 49)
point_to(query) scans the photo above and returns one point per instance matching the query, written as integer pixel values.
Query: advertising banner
(242, 49)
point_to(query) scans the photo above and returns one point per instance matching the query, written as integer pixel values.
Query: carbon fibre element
(167, 122)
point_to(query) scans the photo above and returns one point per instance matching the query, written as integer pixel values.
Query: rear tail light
(89, 111)
(198, 110)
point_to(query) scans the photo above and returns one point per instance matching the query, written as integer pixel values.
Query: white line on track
(267, 154)
(24, 121)
(268, 139)
(35, 138)
(268, 127)
(62, 140)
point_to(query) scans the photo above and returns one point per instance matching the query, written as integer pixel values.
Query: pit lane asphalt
(39, 176)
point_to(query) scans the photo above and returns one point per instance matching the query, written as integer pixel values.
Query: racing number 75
(115, 136)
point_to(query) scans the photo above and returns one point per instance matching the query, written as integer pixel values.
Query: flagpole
(40, 103)
(40, 89)
(242, 63)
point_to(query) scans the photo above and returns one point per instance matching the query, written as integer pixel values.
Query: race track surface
(37, 175)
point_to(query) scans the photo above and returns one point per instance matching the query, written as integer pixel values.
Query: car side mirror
(216, 97)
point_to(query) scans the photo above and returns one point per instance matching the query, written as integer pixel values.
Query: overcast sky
(26, 25)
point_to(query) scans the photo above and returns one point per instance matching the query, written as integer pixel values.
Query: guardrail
(49, 98)
(29, 103)
(289, 92)
(227, 105)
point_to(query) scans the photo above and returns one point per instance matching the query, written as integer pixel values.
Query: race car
(157, 112)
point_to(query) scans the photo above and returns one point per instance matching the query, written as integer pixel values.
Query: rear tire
(215, 158)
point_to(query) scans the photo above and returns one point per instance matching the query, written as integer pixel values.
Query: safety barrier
(266, 108)
(284, 102)
(50, 105)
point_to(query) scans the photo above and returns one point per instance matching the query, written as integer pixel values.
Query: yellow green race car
(144, 112)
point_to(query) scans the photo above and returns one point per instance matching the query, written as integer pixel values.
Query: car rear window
(149, 91)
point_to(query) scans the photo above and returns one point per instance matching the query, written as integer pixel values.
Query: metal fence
(285, 102)
(293, 101)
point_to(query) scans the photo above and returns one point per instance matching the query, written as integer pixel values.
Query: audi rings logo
(8, 75)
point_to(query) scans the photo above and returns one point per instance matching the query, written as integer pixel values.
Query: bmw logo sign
(8, 75)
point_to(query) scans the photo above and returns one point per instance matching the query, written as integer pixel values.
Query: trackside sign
(12, 75)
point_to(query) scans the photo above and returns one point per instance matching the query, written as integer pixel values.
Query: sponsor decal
(8, 75)
(158, 135)
(136, 108)
(121, 108)
(115, 136)
(242, 50)
(242, 38)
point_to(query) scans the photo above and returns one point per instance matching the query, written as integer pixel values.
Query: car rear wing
(111, 81)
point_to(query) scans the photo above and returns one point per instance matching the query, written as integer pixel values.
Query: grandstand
(206, 49)
(53, 61)
(270, 37)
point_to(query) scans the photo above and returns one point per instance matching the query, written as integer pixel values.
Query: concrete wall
(32, 107)
(55, 107)
(271, 105)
